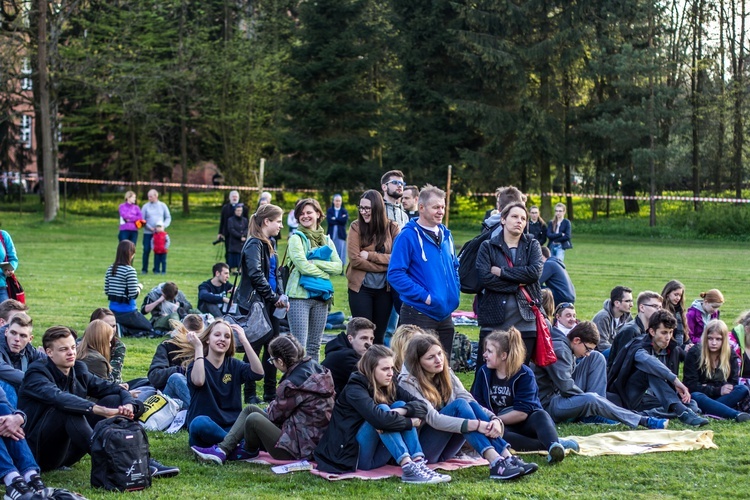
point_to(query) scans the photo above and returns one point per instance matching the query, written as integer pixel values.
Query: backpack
(461, 355)
(120, 455)
(467, 261)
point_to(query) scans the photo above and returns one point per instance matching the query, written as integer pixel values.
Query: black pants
(374, 304)
(443, 328)
(269, 370)
(535, 433)
(134, 324)
(61, 438)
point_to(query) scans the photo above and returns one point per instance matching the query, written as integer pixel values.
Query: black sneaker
(505, 468)
(36, 484)
(253, 400)
(688, 417)
(160, 470)
(742, 417)
(18, 490)
(269, 397)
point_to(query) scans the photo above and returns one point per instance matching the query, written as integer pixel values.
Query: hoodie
(557, 378)
(341, 359)
(523, 385)
(697, 319)
(608, 326)
(421, 268)
(555, 277)
(14, 366)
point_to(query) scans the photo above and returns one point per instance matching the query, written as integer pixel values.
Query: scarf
(317, 237)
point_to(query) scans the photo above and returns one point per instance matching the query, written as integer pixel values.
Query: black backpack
(120, 455)
(467, 261)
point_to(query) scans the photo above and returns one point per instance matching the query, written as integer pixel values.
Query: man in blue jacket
(424, 270)
(556, 278)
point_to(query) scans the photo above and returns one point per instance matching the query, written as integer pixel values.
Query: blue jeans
(205, 432)
(15, 455)
(4, 293)
(10, 392)
(160, 263)
(147, 237)
(177, 388)
(376, 449)
(128, 235)
(443, 445)
(724, 406)
(557, 251)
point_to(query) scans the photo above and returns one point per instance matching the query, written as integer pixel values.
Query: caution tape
(177, 185)
(638, 198)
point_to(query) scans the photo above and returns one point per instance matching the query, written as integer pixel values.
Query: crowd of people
(366, 404)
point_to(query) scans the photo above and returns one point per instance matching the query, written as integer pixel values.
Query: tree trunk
(738, 64)
(44, 143)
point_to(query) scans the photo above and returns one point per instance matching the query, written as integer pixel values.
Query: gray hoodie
(608, 326)
(557, 378)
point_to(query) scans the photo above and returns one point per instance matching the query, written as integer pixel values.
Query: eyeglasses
(588, 349)
(364, 209)
(655, 306)
(271, 360)
(396, 183)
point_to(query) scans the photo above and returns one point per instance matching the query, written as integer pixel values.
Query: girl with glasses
(369, 251)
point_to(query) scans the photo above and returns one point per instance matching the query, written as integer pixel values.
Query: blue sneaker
(597, 419)
(556, 453)
(569, 444)
(240, 454)
(657, 423)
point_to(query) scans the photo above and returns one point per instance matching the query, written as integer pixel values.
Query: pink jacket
(129, 213)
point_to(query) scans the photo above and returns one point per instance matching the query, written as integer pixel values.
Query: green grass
(62, 267)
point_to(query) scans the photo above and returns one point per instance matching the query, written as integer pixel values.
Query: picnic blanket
(644, 441)
(395, 471)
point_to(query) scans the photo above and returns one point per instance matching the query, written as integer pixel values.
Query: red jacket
(160, 242)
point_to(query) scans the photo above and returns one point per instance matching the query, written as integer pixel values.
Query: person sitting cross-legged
(574, 387)
(644, 377)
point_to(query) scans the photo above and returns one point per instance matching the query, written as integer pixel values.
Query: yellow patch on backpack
(227, 378)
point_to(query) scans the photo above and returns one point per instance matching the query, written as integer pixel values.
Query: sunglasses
(397, 183)
(564, 305)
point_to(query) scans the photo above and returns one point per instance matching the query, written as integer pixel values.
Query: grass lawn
(62, 267)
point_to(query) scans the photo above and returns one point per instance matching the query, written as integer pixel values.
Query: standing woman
(370, 242)
(537, 227)
(502, 303)
(130, 217)
(261, 282)
(711, 374)
(307, 316)
(702, 311)
(453, 416)
(122, 288)
(338, 217)
(236, 236)
(508, 387)
(7, 254)
(673, 300)
(558, 233)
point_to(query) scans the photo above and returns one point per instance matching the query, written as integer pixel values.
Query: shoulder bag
(15, 290)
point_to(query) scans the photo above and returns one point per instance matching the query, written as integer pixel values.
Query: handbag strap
(522, 287)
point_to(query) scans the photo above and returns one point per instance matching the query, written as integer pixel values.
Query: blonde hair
(706, 365)
(367, 365)
(97, 336)
(509, 341)
(400, 338)
(185, 351)
(438, 388)
(255, 228)
(744, 320)
(204, 336)
(128, 194)
(712, 296)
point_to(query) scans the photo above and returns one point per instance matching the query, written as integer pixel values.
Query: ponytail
(510, 342)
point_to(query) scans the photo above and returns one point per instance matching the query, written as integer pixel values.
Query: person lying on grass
(215, 379)
(508, 387)
(374, 422)
(295, 420)
(453, 416)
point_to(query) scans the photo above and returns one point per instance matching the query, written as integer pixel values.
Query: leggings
(258, 432)
(537, 432)
(307, 320)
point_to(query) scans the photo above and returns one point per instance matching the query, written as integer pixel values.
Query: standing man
(337, 218)
(227, 211)
(613, 316)
(409, 201)
(393, 185)
(648, 303)
(556, 278)
(154, 211)
(424, 269)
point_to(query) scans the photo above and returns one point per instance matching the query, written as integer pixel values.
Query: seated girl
(711, 373)
(508, 387)
(117, 348)
(215, 379)
(453, 416)
(373, 422)
(400, 338)
(295, 420)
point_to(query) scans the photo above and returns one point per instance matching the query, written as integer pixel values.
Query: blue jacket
(561, 236)
(556, 278)
(337, 225)
(523, 384)
(419, 268)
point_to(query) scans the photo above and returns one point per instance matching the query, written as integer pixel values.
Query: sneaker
(658, 423)
(413, 473)
(444, 478)
(556, 453)
(210, 454)
(240, 454)
(18, 489)
(528, 468)
(253, 400)
(158, 469)
(569, 444)
(269, 397)
(505, 468)
(742, 417)
(688, 417)
(598, 419)
(36, 484)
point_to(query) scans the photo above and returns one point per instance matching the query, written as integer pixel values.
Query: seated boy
(343, 352)
(165, 301)
(574, 387)
(17, 465)
(60, 418)
(643, 376)
(16, 354)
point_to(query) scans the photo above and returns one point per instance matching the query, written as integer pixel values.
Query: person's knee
(199, 424)
(743, 390)
(460, 408)
(384, 407)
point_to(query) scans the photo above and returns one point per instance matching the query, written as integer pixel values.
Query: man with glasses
(574, 388)
(643, 376)
(614, 315)
(393, 186)
(648, 303)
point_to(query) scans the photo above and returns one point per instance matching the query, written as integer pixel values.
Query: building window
(26, 131)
